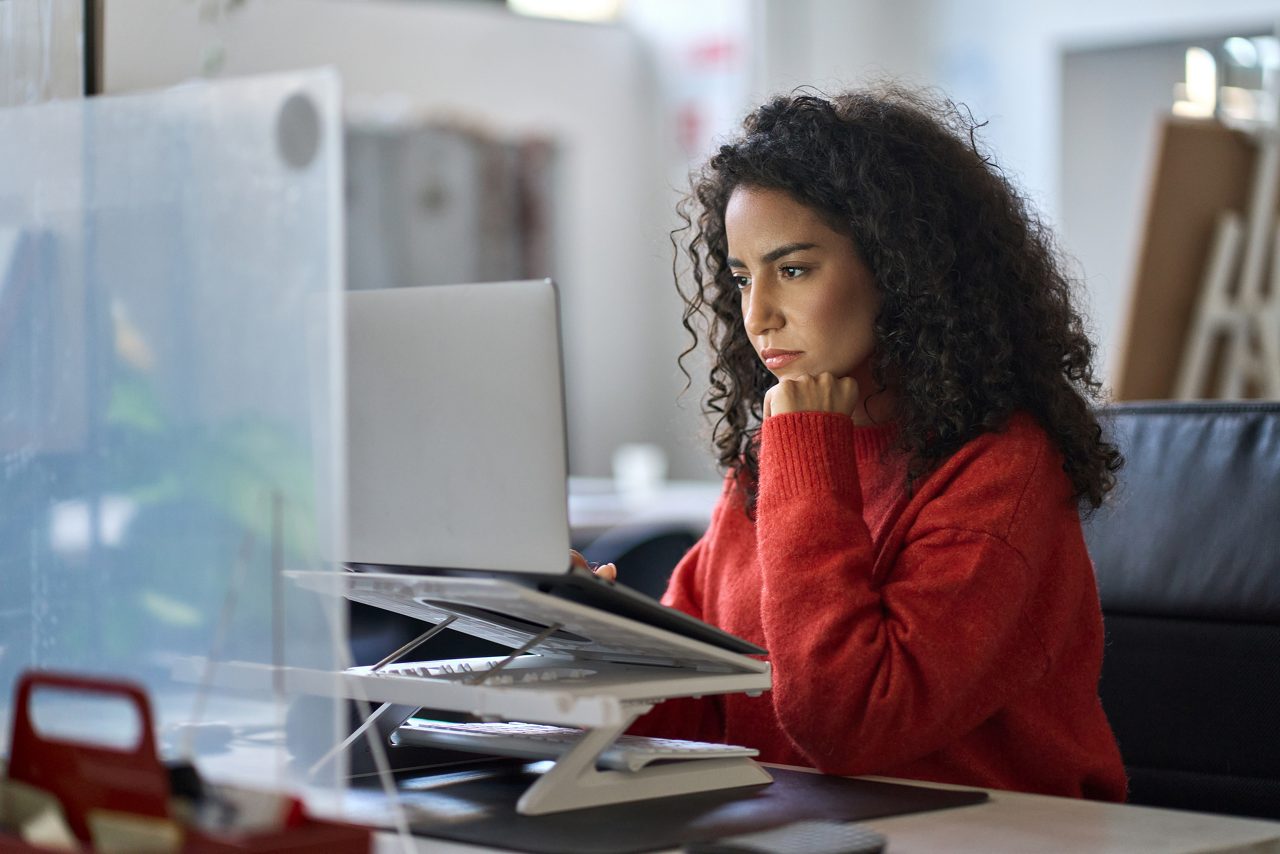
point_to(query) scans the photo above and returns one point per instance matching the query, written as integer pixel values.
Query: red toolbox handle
(85, 776)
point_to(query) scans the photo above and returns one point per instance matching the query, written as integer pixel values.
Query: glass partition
(170, 374)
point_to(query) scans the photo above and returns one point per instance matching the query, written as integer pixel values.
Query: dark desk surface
(1018, 822)
(478, 807)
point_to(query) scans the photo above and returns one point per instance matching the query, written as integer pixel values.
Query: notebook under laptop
(457, 461)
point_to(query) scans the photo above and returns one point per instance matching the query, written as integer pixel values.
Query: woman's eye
(791, 272)
(741, 281)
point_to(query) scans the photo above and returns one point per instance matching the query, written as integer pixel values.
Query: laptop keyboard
(540, 741)
(464, 670)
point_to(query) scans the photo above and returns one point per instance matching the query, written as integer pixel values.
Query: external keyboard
(540, 741)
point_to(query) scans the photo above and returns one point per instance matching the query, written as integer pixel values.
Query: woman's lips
(775, 359)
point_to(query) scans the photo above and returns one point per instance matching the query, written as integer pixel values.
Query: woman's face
(809, 302)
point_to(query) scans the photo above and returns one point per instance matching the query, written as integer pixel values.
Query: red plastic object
(85, 777)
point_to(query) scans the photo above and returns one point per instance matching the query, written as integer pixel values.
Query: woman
(902, 393)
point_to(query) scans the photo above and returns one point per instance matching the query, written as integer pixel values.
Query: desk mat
(478, 807)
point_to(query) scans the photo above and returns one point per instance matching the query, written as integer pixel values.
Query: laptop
(457, 459)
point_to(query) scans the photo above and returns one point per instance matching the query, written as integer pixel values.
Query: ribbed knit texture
(953, 634)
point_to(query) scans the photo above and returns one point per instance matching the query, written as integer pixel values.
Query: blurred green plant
(202, 498)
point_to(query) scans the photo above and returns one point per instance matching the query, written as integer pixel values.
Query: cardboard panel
(1202, 168)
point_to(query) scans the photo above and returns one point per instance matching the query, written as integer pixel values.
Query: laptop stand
(574, 782)
(571, 665)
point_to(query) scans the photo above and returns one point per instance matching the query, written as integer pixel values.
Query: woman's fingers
(604, 570)
(823, 392)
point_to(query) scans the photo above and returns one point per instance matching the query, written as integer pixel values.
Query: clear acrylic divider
(170, 412)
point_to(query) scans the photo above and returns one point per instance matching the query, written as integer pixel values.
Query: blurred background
(172, 255)
(490, 140)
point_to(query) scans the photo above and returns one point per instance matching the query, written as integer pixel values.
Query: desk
(1017, 822)
(1014, 821)
(1008, 821)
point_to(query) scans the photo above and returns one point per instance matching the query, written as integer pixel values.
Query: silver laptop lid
(455, 424)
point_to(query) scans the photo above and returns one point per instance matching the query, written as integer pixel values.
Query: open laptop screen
(457, 458)
(456, 428)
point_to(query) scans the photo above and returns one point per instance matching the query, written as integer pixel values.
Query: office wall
(590, 87)
(41, 51)
(835, 44)
(1005, 57)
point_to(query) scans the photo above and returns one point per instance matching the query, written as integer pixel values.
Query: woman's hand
(823, 392)
(605, 570)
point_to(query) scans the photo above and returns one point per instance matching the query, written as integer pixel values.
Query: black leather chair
(1187, 554)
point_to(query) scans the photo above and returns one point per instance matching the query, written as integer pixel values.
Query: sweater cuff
(803, 452)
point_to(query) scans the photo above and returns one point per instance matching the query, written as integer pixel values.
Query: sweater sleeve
(878, 666)
(697, 719)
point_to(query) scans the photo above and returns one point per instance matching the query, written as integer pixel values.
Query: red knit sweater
(951, 635)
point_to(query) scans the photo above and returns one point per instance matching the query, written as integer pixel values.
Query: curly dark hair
(977, 319)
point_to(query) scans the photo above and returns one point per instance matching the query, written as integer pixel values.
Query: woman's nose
(760, 311)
